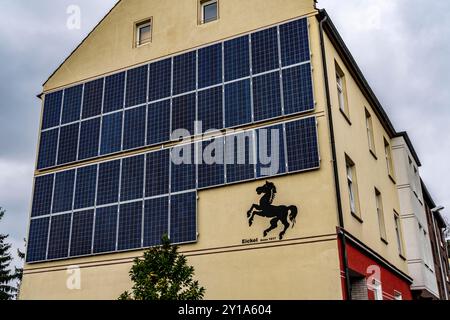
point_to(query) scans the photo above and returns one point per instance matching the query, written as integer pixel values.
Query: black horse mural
(267, 210)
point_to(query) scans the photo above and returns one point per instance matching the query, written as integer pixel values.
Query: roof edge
(405, 136)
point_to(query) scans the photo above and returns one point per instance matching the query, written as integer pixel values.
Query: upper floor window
(370, 135)
(341, 90)
(377, 290)
(143, 32)
(209, 10)
(388, 155)
(380, 215)
(352, 187)
(398, 233)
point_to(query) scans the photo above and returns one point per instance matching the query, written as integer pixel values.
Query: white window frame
(388, 156)
(380, 215)
(351, 189)
(204, 4)
(140, 25)
(398, 233)
(341, 92)
(377, 290)
(370, 133)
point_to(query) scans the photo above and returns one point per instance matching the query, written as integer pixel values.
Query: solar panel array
(260, 76)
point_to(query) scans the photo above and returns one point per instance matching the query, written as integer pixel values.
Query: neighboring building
(107, 184)
(414, 219)
(437, 226)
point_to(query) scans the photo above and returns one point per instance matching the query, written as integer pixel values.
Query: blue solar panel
(294, 42)
(210, 66)
(184, 72)
(37, 240)
(183, 168)
(52, 110)
(114, 92)
(157, 173)
(72, 104)
(297, 89)
(211, 171)
(89, 139)
(111, 133)
(132, 185)
(210, 109)
(183, 113)
(237, 58)
(58, 244)
(85, 187)
(238, 104)
(160, 79)
(68, 143)
(158, 122)
(265, 50)
(63, 194)
(134, 128)
(48, 146)
(240, 157)
(105, 229)
(42, 196)
(271, 155)
(302, 145)
(130, 226)
(136, 86)
(183, 217)
(82, 228)
(108, 182)
(92, 99)
(267, 96)
(156, 220)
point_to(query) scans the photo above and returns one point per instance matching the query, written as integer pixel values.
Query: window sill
(346, 116)
(357, 217)
(202, 23)
(384, 241)
(373, 154)
(137, 46)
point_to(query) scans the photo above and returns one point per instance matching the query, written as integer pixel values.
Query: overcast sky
(402, 47)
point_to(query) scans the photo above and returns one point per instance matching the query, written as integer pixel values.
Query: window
(380, 215)
(388, 155)
(398, 295)
(352, 187)
(398, 233)
(143, 32)
(377, 290)
(341, 90)
(209, 11)
(369, 128)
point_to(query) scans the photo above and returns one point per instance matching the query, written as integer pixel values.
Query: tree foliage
(163, 274)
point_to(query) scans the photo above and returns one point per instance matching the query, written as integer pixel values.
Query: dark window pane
(72, 104)
(240, 157)
(294, 42)
(89, 139)
(211, 171)
(111, 133)
(82, 228)
(156, 221)
(136, 86)
(158, 122)
(130, 226)
(157, 173)
(105, 229)
(271, 157)
(134, 128)
(132, 185)
(210, 12)
(183, 113)
(210, 66)
(210, 109)
(85, 187)
(47, 148)
(63, 194)
(52, 110)
(42, 198)
(108, 182)
(238, 104)
(160, 77)
(183, 218)
(58, 245)
(37, 240)
(92, 100)
(237, 58)
(267, 96)
(114, 92)
(265, 50)
(297, 87)
(183, 168)
(302, 144)
(184, 72)
(68, 143)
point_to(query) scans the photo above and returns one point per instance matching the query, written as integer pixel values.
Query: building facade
(283, 186)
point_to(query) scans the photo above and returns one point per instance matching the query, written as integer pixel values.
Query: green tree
(163, 274)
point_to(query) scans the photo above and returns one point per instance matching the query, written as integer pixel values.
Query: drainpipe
(341, 233)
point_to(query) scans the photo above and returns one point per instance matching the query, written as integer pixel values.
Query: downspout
(344, 256)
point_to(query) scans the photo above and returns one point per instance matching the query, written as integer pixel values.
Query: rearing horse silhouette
(267, 210)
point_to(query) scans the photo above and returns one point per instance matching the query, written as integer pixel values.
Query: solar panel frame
(68, 143)
(210, 108)
(264, 145)
(184, 73)
(239, 163)
(111, 134)
(267, 96)
(42, 195)
(238, 103)
(37, 239)
(105, 234)
(52, 107)
(158, 122)
(132, 181)
(81, 233)
(92, 98)
(237, 58)
(183, 176)
(160, 78)
(108, 182)
(130, 226)
(157, 181)
(58, 244)
(210, 65)
(48, 147)
(265, 50)
(183, 218)
(114, 92)
(89, 138)
(85, 188)
(63, 191)
(136, 86)
(71, 110)
(184, 113)
(298, 93)
(294, 42)
(211, 174)
(156, 220)
(134, 128)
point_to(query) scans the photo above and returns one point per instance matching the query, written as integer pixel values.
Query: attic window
(209, 10)
(143, 32)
